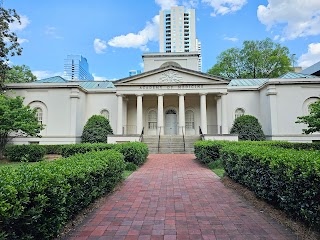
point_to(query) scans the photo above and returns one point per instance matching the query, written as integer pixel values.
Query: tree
(9, 45)
(20, 74)
(312, 120)
(16, 120)
(248, 128)
(256, 59)
(96, 130)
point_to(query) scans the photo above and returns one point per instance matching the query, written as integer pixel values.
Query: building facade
(170, 98)
(76, 67)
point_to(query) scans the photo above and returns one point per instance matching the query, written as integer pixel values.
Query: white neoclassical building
(170, 98)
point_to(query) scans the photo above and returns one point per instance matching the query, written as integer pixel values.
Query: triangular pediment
(171, 75)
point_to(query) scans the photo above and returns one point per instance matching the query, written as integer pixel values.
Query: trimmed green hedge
(37, 200)
(25, 153)
(53, 149)
(72, 149)
(135, 152)
(287, 178)
(208, 151)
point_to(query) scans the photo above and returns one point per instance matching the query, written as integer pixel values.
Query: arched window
(152, 119)
(189, 119)
(105, 113)
(39, 114)
(239, 112)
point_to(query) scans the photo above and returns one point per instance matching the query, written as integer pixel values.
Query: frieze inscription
(176, 87)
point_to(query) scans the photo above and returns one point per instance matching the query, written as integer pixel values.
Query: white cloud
(311, 57)
(140, 39)
(232, 39)
(141, 65)
(299, 18)
(52, 32)
(98, 78)
(22, 40)
(16, 26)
(222, 7)
(166, 4)
(99, 45)
(190, 3)
(46, 74)
(276, 37)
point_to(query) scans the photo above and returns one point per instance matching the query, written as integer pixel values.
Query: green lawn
(217, 167)
(126, 174)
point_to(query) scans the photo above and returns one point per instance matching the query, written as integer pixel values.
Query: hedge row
(25, 153)
(135, 152)
(38, 199)
(287, 178)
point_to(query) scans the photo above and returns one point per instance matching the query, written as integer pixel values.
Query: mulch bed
(298, 228)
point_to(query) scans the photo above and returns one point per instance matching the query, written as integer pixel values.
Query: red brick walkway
(173, 197)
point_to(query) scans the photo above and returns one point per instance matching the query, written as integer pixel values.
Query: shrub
(72, 149)
(135, 152)
(248, 128)
(38, 199)
(53, 149)
(25, 153)
(287, 178)
(96, 130)
(131, 166)
(208, 151)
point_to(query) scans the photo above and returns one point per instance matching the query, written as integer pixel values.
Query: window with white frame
(152, 119)
(189, 119)
(39, 115)
(105, 113)
(239, 112)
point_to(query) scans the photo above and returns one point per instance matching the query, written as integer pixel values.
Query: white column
(119, 119)
(139, 114)
(224, 115)
(182, 119)
(160, 114)
(219, 123)
(203, 112)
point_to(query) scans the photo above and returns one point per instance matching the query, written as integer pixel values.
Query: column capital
(119, 94)
(160, 94)
(139, 94)
(181, 94)
(203, 94)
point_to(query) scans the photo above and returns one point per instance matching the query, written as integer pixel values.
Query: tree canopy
(9, 45)
(19, 74)
(256, 59)
(16, 120)
(248, 128)
(96, 130)
(312, 120)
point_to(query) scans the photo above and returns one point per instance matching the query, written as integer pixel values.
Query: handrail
(201, 134)
(141, 135)
(184, 141)
(159, 140)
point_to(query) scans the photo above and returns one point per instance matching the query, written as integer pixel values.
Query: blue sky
(112, 35)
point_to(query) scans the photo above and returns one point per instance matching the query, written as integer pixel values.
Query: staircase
(170, 143)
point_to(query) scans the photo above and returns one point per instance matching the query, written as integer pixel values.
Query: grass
(126, 174)
(217, 167)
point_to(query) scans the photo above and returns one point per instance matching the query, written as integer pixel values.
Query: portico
(171, 101)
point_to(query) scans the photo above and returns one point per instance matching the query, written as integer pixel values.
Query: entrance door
(171, 122)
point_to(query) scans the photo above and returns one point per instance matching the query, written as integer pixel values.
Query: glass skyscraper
(76, 68)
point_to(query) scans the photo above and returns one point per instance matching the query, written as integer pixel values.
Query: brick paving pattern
(173, 197)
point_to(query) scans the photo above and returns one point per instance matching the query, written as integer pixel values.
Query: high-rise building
(178, 31)
(76, 67)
